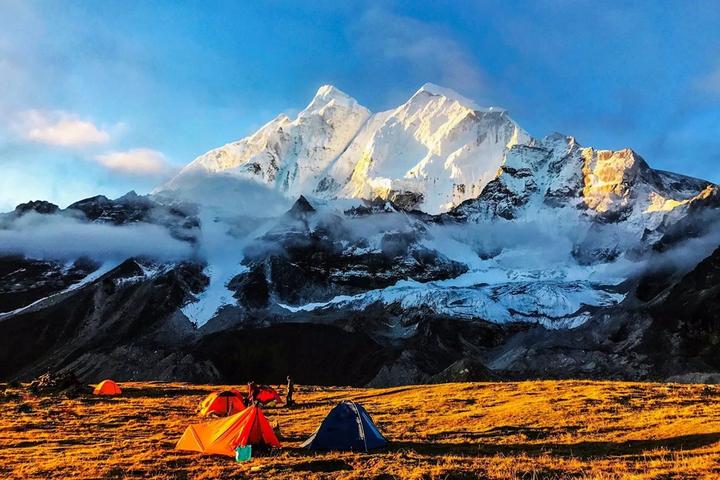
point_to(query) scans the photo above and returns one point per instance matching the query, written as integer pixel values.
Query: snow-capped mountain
(437, 150)
(289, 155)
(409, 242)
(431, 153)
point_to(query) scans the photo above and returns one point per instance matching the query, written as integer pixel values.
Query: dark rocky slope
(127, 323)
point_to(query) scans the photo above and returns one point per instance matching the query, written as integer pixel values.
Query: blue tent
(347, 427)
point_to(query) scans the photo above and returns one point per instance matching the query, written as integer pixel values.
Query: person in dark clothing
(289, 402)
(253, 391)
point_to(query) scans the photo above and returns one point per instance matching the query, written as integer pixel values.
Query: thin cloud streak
(710, 83)
(137, 161)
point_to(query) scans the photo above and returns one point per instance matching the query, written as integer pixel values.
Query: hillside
(569, 429)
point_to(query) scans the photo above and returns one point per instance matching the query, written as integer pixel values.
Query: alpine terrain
(434, 242)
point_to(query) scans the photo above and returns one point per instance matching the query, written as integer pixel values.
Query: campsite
(359, 240)
(526, 430)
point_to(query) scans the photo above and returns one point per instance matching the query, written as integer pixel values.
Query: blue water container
(243, 454)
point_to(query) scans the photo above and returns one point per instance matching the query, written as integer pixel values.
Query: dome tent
(267, 395)
(348, 426)
(107, 387)
(222, 404)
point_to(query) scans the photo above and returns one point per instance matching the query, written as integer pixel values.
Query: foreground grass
(527, 430)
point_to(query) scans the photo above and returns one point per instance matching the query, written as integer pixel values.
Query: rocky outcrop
(178, 218)
(38, 206)
(465, 370)
(308, 257)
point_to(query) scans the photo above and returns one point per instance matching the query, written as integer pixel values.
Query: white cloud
(138, 161)
(60, 129)
(427, 48)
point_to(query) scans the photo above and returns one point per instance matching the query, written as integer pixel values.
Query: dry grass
(528, 430)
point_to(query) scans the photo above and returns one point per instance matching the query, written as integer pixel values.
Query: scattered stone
(56, 383)
(9, 395)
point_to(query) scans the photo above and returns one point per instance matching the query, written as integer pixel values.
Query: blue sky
(108, 96)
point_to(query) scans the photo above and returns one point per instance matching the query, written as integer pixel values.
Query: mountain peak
(38, 206)
(434, 89)
(328, 94)
(452, 95)
(328, 90)
(301, 208)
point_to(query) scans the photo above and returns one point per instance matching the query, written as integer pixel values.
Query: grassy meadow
(525, 430)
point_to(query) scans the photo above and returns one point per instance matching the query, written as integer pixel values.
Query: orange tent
(107, 387)
(221, 437)
(222, 403)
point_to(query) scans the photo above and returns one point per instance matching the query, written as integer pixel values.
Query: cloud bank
(60, 129)
(63, 238)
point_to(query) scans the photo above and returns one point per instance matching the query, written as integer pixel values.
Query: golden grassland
(526, 430)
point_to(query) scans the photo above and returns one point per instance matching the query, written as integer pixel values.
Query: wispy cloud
(137, 161)
(60, 129)
(427, 48)
(709, 83)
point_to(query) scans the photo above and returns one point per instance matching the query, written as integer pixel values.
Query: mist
(227, 195)
(60, 237)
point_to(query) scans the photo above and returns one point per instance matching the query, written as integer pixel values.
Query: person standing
(289, 402)
(253, 391)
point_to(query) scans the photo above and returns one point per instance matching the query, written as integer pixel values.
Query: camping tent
(347, 427)
(221, 437)
(107, 387)
(222, 403)
(267, 395)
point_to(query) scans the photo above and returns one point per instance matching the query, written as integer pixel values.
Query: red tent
(222, 403)
(221, 437)
(267, 395)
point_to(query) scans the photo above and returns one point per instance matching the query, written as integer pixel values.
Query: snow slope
(289, 155)
(553, 304)
(437, 144)
(432, 152)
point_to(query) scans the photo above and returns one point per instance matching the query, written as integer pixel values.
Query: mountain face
(612, 199)
(434, 242)
(289, 155)
(431, 153)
